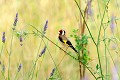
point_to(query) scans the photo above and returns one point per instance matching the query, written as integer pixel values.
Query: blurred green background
(61, 14)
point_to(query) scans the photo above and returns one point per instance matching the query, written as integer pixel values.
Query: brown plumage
(63, 39)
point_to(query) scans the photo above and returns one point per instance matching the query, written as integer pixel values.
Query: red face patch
(60, 31)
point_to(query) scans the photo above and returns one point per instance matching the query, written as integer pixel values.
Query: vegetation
(30, 49)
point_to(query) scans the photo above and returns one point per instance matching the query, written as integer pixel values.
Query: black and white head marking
(62, 32)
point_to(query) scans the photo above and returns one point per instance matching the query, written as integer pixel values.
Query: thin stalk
(62, 58)
(10, 56)
(16, 76)
(82, 67)
(99, 8)
(97, 46)
(33, 68)
(9, 68)
(22, 56)
(82, 33)
(1, 50)
(37, 78)
(112, 59)
(3, 74)
(85, 22)
(36, 59)
(102, 22)
(1, 61)
(80, 28)
(106, 62)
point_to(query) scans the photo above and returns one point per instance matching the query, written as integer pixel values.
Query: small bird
(63, 39)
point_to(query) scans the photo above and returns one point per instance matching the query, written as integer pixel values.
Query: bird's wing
(65, 40)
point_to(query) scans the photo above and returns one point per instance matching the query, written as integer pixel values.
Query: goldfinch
(63, 39)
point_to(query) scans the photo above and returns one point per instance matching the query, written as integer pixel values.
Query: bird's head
(61, 32)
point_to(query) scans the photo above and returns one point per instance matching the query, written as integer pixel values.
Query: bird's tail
(74, 49)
